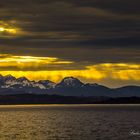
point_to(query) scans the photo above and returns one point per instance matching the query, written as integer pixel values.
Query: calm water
(70, 122)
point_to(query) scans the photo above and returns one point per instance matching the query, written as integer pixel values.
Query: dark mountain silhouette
(69, 86)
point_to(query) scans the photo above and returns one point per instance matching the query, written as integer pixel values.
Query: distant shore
(35, 99)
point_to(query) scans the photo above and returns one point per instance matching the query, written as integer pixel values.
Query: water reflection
(84, 122)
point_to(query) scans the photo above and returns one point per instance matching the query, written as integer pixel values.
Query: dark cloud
(89, 31)
(85, 52)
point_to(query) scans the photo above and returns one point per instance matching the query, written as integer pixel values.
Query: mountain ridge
(69, 86)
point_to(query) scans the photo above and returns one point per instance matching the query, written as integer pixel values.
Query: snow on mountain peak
(70, 82)
(9, 80)
(21, 79)
(9, 77)
(37, 85)
(47, 83)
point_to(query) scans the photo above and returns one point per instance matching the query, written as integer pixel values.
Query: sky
(97, 41)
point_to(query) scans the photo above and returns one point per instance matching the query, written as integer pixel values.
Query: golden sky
(52, 39)
(37, 68)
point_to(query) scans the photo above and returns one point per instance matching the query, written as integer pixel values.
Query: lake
(70, 122)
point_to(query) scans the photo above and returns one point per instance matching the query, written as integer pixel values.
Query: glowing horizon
(54, 69)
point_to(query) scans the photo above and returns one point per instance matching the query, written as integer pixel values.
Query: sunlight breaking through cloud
(36, 68)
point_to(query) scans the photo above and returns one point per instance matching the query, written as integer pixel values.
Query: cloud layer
(83, 33)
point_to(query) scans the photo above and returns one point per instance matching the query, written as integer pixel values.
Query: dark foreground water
(70, 122)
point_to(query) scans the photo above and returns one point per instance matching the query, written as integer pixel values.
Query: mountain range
(69, 86)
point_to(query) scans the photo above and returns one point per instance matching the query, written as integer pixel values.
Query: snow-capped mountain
(9, 80)
(47, 83)
(69, 86)
(70, 82)
(22, 83)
